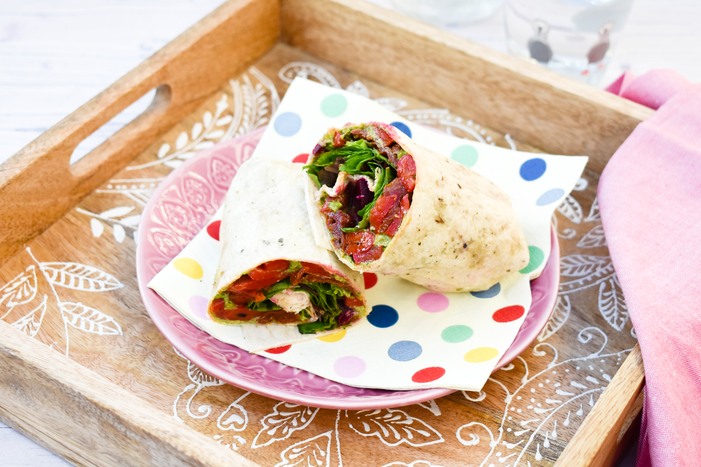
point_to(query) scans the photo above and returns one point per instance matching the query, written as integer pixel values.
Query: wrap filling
(289, 292)
(365, 182)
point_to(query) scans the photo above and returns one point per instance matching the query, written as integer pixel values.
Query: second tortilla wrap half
(270, 270)
(386, 205)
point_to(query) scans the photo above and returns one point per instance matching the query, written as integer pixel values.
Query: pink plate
(181, 207)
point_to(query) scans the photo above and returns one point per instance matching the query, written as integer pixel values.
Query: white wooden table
(56, 55)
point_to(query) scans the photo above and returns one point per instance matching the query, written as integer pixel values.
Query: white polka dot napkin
(412, 338)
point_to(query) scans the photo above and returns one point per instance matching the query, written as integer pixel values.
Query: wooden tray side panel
(597, 440)
(88, 420)
(532, 104)
(38, 185)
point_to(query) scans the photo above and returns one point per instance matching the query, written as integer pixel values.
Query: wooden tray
(86, 373)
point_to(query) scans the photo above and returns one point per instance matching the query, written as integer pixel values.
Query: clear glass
(572, 37)
(448, 12)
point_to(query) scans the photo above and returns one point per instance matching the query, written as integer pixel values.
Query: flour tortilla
(265, 219)
(460, 234)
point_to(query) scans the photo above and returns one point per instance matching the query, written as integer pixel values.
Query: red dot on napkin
(213, 229)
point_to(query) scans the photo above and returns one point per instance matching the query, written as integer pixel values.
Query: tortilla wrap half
(270, 270)
(387, 205)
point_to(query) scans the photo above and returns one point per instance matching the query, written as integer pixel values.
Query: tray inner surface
(527, 413)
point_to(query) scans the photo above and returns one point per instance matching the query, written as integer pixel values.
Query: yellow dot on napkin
(335, 337)
(189, 267)
(481, 354)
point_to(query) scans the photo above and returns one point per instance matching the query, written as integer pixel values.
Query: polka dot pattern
(403, 127)
(491, 292)
(198, 306)
(349, 367)
(278, 350)
(432, 302)
(383, 316)
(287, 124)
(481, 354)
(301, 158)
(456, 333)
(465, 154)
(428, 375)
(334, 105)
(532, 169)
(190, 267)
(334, 337)
(370, 280)
(508, 313)
(213, 229)
(536, 258)
(404, 351)
(550, 196)
(454, 338)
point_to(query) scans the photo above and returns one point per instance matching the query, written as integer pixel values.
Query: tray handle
(122, 146)
(38, 185)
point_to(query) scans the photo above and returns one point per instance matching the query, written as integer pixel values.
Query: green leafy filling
(263, 305)
(358, 158)
(382, 178)
(326, 297)
(224, 295)
(278, 287)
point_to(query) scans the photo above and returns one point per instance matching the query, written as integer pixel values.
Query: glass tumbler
(572, 37)
(448, 12)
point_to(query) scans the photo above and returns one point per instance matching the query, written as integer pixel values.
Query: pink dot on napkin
(432, 302)
(198, 306)
(349, 367)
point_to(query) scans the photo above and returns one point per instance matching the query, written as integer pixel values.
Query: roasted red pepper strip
(358, 242)
(249, 288)
(406, 171)
(353, 301)
(387, 214)
(267, 274)
(372, 254)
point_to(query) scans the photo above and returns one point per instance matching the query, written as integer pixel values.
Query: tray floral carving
(73, 300)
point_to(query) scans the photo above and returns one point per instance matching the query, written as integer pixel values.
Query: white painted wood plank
(16, 450)
(54, 56)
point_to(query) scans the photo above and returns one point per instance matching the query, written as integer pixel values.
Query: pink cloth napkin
(650, 201)
(651, 89)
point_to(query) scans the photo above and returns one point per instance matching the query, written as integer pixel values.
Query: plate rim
(393, 398)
